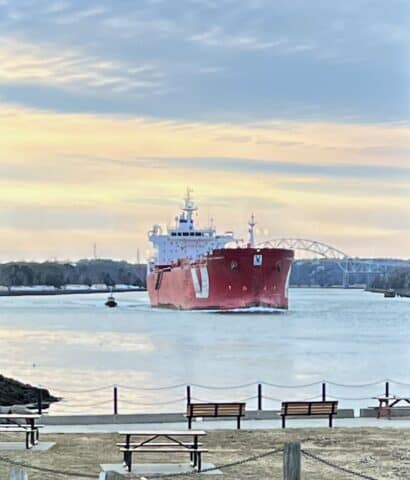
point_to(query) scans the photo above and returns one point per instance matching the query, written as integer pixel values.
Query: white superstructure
(184, 241)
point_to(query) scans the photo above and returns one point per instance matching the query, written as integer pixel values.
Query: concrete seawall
(394, 412)
(158, 418)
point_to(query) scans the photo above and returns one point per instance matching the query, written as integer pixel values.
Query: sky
(298, 112)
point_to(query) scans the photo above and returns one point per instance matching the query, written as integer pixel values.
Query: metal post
(39, 400)
(291, 461)
(115, 400)
(386, 389)
(188, 394)
(323, 392)
(259, 396)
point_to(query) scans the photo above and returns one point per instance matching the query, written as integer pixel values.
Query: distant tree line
(397, 279)
(83, 272)
(323, 273)
(327, 273)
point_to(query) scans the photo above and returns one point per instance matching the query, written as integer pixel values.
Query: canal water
(79, 349)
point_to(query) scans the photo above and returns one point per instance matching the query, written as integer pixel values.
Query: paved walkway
(230, 425)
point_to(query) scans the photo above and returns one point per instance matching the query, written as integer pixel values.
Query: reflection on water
(75, 343)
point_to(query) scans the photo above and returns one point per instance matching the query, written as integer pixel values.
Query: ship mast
(189, 206)
(251, 223)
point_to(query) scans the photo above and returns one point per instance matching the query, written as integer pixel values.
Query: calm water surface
(74, 343)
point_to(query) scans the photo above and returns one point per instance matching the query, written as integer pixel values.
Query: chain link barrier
(139, 476)
(243, 461)
(217, 467)
(312, 456)
(234, 387)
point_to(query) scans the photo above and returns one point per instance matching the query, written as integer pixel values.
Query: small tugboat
(111, 302)
(389, 293)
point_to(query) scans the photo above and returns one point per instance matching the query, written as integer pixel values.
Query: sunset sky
(296, 111)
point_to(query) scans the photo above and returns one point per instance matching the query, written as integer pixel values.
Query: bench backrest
(309, 408)
(216, 409)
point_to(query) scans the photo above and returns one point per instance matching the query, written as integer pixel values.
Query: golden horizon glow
(71, 179)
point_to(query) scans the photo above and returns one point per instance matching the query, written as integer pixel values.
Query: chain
(172, 475)
(337, 467)
(185, 474)
(218, 467)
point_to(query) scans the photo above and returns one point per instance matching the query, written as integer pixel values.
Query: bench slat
(19, 430)
(215, 409)
(165, 444)
(162, 450)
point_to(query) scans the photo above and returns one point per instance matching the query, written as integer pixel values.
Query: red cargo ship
(194, 269)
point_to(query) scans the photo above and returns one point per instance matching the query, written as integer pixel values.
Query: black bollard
(386, 389)
(115, 400)
(259, 396)
(323, 392)
(188, 394)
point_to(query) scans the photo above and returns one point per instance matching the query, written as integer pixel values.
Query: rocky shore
(13, 392)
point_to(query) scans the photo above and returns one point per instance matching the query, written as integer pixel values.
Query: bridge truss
(347, 264)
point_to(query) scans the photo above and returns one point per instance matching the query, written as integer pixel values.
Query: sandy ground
(379, 453)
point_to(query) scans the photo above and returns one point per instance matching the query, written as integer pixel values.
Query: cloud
(109, 177)
(24, 63)
(79, 15)
(57, 7)
(271, 167)
(212, 59)
(217, 37)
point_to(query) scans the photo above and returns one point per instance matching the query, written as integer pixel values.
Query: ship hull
(226, 279)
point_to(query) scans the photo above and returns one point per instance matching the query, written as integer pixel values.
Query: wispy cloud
(218, 37)
(57, 7)
(24, 63)
(79, 15)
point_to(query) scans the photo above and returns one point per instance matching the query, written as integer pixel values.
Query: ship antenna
(251, 223)
(189, 206)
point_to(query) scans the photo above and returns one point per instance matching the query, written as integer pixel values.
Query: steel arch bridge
(349, 265)
(321, 249)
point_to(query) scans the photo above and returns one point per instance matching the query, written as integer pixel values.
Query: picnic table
(21, 422)
(162, 441)
(386, 403)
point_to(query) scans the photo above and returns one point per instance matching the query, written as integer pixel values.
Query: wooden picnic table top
(19, 415)
(172, 433)
(393, 397)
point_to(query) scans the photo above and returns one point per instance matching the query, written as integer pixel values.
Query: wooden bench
(225, 409)
(309, 409)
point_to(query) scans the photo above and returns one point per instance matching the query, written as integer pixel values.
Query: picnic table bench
(386, 403)
(163, 441)
(309, 409)
(21, 423)
(217, 409)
